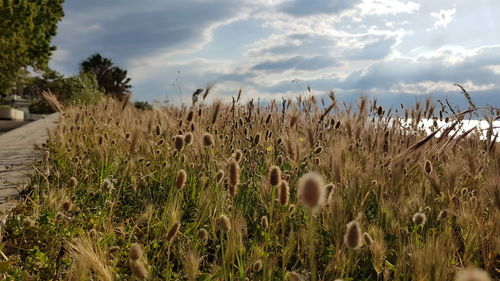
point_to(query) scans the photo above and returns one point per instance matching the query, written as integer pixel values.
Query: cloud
(296, 63)
(130, 30)
(395, 49)
(443, 17)
(302, 8)
(386, 7)
(406, 78)
(373, 51)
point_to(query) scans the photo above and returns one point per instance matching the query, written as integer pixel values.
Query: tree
(112, 80)
(26, 30)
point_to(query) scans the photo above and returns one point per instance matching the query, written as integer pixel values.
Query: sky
(391, 50)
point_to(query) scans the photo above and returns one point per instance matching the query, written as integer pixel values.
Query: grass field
(294, 190)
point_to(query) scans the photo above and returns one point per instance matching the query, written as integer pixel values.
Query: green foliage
(26, 29)
(81, 89)
(144, 105)
(112, 80)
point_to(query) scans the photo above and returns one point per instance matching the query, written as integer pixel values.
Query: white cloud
(385, 7)
(443, 17)
(427, 87)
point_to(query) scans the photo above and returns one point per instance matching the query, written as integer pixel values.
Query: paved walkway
(17, 154)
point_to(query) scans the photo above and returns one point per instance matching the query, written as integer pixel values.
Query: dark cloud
(297, 63)
(381, 77)
(302, 8)
(127, 30)
(384, 74)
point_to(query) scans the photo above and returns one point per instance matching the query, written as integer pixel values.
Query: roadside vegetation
(302, 189)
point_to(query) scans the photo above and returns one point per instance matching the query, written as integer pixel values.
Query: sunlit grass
(247, 192)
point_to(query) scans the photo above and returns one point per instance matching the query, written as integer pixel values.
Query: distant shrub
(80, 89)
(144, 105)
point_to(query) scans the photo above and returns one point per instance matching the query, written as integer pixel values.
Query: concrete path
(16, 157)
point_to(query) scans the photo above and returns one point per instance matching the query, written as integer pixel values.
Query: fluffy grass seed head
(264, 222)
(67, 205)
(224, 223)
(419, 218)
(472, 274)
(173, 231)
(28, 222)
(179, 142)
(238, 155)
(274, 175)
(368, 239)
(203, 235)
(442, 215)
(72, 182)
(135, 252)
(284, 193)
(219, 176)
(180, 181)
(138, 269)
(311, 192)
(234, 172)
(428, 167)
(256, 139)
(188, 139)
(257, 266)
(208, 139)
(329, 190)
(353, 237)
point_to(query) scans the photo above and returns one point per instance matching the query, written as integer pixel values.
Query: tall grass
(285, 191)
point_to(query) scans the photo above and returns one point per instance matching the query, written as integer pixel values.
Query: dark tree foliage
(112, 80)
(144, 105)
(26, 30)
